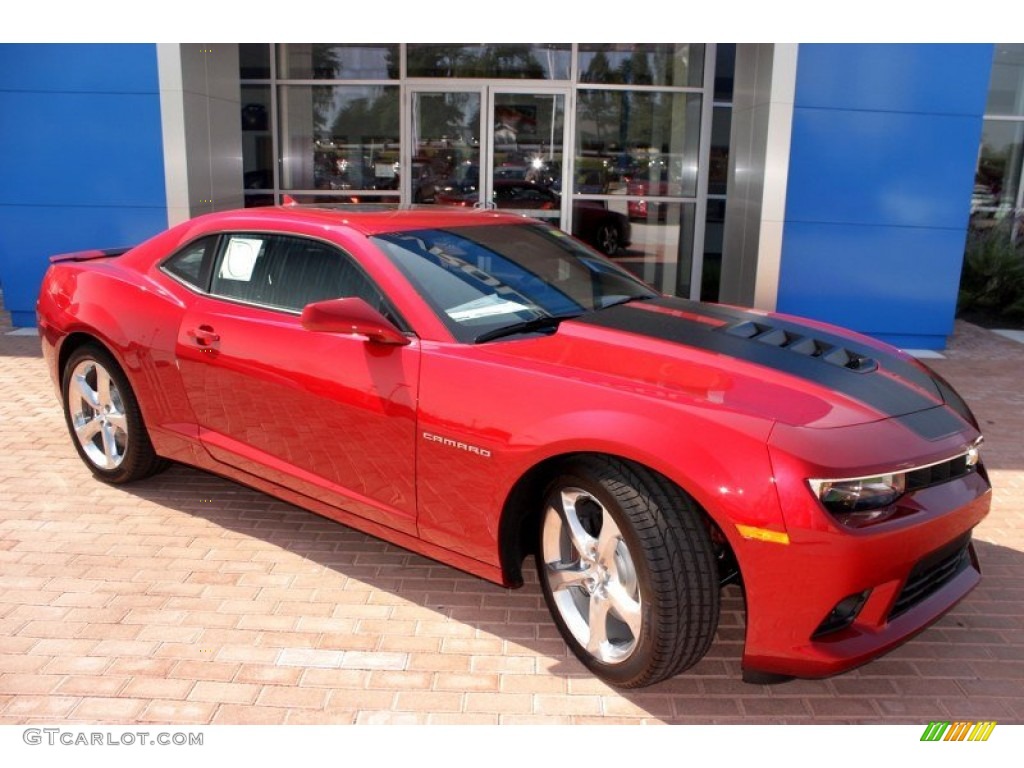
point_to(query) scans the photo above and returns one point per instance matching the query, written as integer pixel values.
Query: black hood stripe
(732, 315)
(892, 387)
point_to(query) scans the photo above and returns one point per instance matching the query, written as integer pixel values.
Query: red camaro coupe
(482, 388)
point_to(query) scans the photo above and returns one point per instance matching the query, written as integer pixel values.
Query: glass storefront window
(718, 162)
(642, 143)
(446, 147)
(997, 181)
(254, 61)
(257, 143)
(725, 70)
(661, 246)
(491, 60)
(345, 198)
(997, 195)
(714, 239)
(339, 137)
(1006, 89)
(527, 154)
(671, 64)
(338, 61)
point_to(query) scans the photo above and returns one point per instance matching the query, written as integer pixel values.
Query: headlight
(861, 501)
(856, 502)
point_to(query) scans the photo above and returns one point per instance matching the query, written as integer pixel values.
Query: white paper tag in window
(240, 258)
(488, 306)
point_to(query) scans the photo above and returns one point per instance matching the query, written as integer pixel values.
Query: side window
(304, 271)
(241, 272)
(290, 272)
(191, 265)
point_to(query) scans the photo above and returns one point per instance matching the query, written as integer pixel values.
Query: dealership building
(835, 181)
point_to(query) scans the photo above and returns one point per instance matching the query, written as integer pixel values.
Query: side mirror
(353, 316)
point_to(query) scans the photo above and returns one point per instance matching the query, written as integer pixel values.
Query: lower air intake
(933, 573)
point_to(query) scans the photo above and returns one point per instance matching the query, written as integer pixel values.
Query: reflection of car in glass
(331, 171)
(592, 222)
(341, 173)
(655, 177)
(642, 209)
(608, 231)
(424, 182)
(983, 200)
(522, 195)
(483, 390)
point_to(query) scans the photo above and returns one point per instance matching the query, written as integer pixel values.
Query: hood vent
(801, 345)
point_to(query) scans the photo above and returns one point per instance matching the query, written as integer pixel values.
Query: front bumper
(901, 576)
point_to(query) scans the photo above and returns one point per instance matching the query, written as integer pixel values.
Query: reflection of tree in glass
(598, 69)
(356, 130)
(516, 61)
(636, 70)
(452, 116)
(636, 119)
(594, 105)
(325, 63)
(512, 61)
(341, 61)
(642, 64)
(373, 115)
(433, 60)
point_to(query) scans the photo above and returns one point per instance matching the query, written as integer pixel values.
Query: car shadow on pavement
(967, 665)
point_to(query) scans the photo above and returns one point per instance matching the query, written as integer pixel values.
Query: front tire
(104, 420)
(628, 571)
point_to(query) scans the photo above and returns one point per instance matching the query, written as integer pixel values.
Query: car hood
(773, 366)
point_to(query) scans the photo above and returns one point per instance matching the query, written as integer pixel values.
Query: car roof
(366, 219)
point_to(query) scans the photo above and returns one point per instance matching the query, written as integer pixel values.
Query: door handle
(204, 336)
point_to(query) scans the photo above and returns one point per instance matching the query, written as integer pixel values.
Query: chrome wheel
(97, 414)
(627, 569)
(591, 576)
(608, 239)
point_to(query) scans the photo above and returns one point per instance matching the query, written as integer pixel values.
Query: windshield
(482, 278)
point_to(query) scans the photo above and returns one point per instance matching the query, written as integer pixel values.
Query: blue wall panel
(897, 169)
(884, 144)
(78, 67)
(932, 79)
(884, 281)
(82, 159)
(72, 148)
(31, 234)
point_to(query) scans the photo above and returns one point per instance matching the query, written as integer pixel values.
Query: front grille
(939, 473)
(932, 573)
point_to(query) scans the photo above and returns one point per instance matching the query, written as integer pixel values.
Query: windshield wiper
(536, 324)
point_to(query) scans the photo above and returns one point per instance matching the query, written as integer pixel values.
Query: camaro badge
(456, 444)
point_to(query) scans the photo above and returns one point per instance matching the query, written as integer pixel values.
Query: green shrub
(992, 280)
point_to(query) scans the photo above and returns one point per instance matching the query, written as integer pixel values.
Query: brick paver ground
(189, 599)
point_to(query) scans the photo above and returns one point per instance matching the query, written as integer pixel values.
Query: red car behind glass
(484, 389)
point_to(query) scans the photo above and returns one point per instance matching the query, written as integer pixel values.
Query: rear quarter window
(191, 265)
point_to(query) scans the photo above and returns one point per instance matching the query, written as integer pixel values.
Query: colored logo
(938, 730)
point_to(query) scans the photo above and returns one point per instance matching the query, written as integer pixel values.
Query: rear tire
(104, 420)
(628, 571)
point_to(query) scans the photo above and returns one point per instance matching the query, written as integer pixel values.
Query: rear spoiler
(96, 253)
